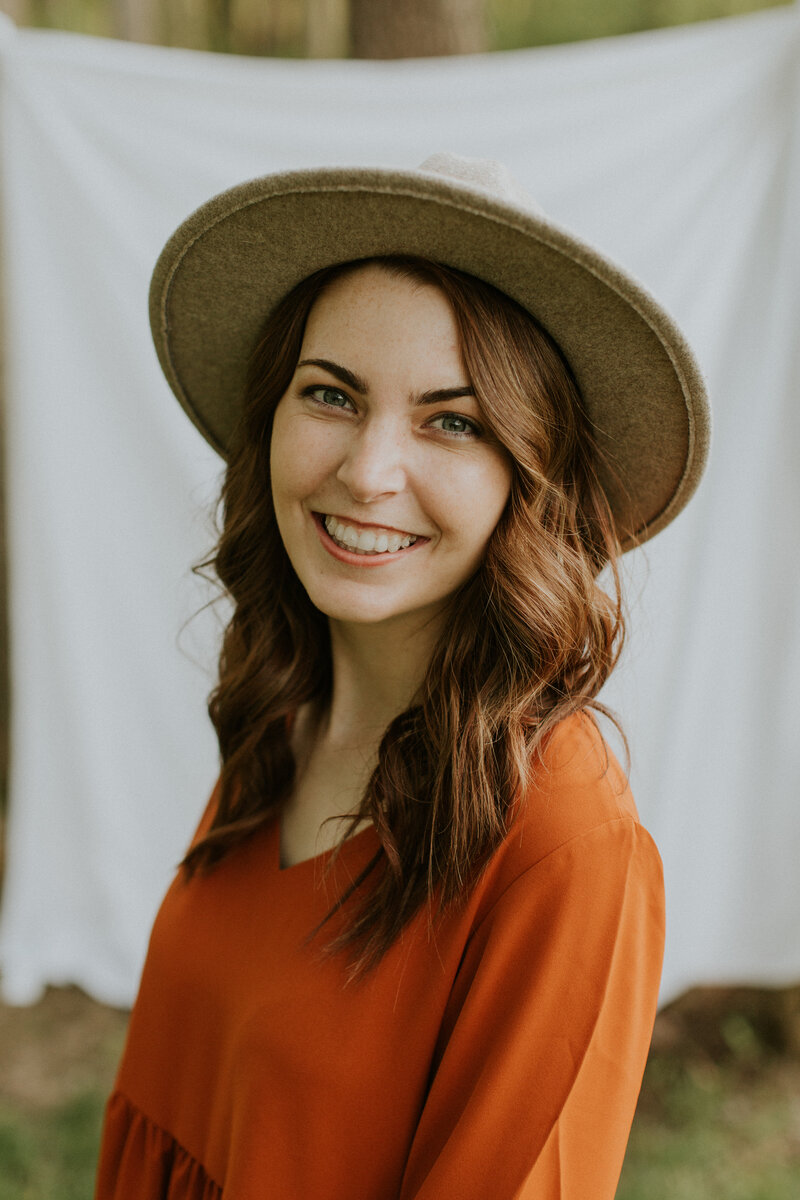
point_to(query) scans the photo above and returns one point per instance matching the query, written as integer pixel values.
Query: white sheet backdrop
(677, 152)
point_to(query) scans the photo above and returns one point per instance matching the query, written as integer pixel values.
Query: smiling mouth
(368, 541)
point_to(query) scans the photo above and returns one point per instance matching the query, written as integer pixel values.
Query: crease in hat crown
(487, 173)
(230, 263)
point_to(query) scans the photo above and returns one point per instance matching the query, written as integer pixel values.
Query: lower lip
(361, 560)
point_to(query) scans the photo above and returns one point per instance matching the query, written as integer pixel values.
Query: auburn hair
(529, 639)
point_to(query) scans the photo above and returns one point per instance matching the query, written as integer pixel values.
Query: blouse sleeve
(545, 1037)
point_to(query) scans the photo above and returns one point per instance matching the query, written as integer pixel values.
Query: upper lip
(371, 524)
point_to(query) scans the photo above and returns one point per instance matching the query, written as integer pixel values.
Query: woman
(414, 949)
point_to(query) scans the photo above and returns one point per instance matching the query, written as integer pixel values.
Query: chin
(359, 604)
(356, 614)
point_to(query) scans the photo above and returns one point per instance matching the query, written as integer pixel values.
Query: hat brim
(227, 267)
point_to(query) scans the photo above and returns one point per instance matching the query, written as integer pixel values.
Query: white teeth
(366, 541)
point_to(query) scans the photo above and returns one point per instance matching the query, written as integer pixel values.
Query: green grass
(51, 1155)
(729, 1132)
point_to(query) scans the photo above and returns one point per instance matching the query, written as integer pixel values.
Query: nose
(374, 465)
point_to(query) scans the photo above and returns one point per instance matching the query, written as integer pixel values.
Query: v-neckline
(316, 860)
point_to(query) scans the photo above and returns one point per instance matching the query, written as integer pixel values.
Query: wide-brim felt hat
(229, 264)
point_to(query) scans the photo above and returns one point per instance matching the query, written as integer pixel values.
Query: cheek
(476, 499)
(301, 457)
(279, 452)
(499, 486)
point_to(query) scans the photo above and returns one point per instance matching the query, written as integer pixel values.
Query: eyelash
(473, 428)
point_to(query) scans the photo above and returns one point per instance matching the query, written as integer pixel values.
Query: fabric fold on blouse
(150, 1156)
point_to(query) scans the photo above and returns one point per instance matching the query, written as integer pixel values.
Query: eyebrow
(436, 396)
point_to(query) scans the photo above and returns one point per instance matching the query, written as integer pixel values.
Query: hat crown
(487, 173)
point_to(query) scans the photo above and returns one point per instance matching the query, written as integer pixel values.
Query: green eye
(331, 397)
(456, 425)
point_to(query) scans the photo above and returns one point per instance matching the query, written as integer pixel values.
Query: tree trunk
(136, 20)
(416, 28)
(16, 9)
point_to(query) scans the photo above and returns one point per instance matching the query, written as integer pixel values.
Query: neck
(377, 672)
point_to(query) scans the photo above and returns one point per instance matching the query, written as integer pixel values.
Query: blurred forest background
(365, 28)
(719, 1114)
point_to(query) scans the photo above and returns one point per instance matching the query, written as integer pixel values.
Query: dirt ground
(53, 1050)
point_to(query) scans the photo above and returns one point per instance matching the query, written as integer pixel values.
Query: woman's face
(386, 488)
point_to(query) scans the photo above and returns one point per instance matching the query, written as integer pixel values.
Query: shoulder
(578, 806)
(577, 784)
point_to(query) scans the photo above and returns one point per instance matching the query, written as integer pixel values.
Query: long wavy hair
(530, 638)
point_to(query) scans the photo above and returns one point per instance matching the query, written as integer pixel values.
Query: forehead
(371, 306)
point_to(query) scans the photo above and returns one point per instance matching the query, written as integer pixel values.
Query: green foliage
(78, 16)
(516, 23)
(741, 1038)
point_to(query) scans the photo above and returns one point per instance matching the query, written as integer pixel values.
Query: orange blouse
(499, 1055)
